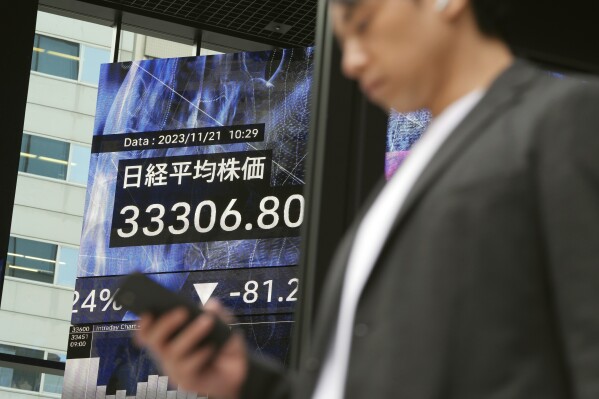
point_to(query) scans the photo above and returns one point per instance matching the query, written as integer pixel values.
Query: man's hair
(491, 15)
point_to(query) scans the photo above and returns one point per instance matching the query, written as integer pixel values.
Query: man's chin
(400, 106)
(379, 102)
(404, 107)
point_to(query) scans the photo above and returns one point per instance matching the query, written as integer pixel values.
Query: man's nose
(354, 59)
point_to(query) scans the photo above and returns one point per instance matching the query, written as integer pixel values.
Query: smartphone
(140, 294)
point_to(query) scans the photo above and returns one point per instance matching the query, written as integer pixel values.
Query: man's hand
(196, 370)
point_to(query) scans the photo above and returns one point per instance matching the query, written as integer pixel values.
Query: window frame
(69, 161)
(44, 357)
(37, 241)
(81, 58)
(57, 37)
(57, 264)
(48, 138)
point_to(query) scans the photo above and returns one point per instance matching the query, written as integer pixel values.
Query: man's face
(393, 48)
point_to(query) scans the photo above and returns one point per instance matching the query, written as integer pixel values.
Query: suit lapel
(329, 305)
(499, 96)
(328, 309)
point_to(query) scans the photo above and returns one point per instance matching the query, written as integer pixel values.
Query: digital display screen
(196, 179)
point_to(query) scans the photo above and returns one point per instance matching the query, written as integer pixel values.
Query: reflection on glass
(79, 164)
(53, 383)
(93, 57)
(67, 266)
(44, 157)
(55, 57)
(31, 260)
(17, 378)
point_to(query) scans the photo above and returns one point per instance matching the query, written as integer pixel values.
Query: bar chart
(82, 384)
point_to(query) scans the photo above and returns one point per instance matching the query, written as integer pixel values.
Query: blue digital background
(403, 132)
(271, 87)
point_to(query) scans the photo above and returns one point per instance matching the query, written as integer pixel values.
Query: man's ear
(441, 5)
(452, 8)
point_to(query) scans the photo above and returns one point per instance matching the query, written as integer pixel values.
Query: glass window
(53, 383)
(44, 157)
(54, 158)
(67, 266)
(32, 260)
(93, 57)
(55, 57)
(20, 379)
(79, 164)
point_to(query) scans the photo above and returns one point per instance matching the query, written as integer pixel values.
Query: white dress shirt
(371, 236)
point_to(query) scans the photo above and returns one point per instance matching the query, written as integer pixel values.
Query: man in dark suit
(474, 273)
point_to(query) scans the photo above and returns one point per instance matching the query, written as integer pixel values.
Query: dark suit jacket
(488, 286)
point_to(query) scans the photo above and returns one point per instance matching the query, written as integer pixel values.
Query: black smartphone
(139, 294)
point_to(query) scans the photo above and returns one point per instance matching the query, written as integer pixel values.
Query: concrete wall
(7, 393)
(60, 108)
(67, 28)
(34, 314)
(37, 315)
(41, 312)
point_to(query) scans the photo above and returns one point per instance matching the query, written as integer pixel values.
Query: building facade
(51, 188)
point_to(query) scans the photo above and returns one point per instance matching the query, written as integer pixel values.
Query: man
(475, 272)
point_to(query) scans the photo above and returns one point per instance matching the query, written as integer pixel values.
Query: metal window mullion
(116, 39)
(198, 42)
(56, 265)
(69, 156)
(42, 380)
(80, 62)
